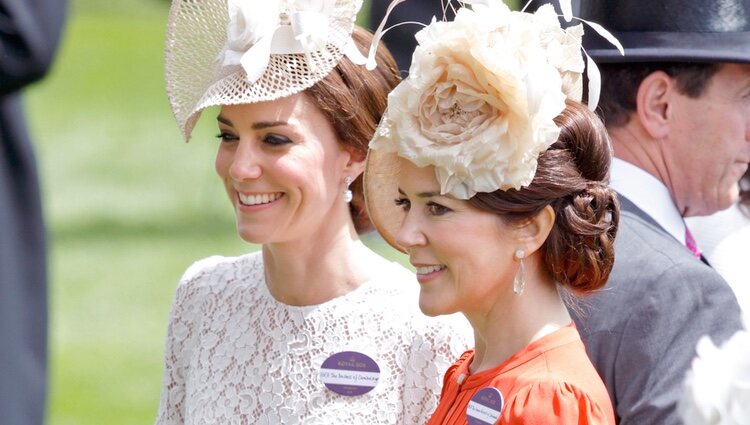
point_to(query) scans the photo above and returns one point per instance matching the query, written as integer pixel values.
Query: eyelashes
(437, 209)
(402, 203)
(276, 139)
(433, 208)
(269, 139)
(225, 137)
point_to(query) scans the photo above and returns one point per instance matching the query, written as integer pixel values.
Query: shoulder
(403, 293)
(641, 241)
(447, 336)
(219, 264)
(393, 295)
(218, 274)
(651, 263)
(391, 278)
(660, 282)
(556, 402)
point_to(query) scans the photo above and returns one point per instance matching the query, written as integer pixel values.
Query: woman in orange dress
(492, 175)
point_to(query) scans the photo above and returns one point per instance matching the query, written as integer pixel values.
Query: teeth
(259, 199)
(429, 269)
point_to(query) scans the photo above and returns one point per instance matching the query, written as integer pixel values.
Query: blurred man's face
(709, 143)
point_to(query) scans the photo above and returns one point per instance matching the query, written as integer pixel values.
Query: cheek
(222, 163)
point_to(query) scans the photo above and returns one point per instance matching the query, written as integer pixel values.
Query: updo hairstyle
(572, 177)
(353, 99)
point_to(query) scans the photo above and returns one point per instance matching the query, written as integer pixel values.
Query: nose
(246, 162)
(410, 234)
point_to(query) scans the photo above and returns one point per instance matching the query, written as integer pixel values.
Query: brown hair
(353, 99)
(571, 177)
(620, 83)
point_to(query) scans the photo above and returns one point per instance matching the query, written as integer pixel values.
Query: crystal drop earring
(519, 282)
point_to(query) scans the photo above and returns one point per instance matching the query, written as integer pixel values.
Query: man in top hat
(677, 107)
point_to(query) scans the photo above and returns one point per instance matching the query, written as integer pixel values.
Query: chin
(251, 236)
(732, 197)
(432, 309)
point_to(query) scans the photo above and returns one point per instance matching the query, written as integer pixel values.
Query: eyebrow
(260, 125)
(422, 194)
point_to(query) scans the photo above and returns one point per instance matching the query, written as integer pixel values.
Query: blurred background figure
(400, 40)
(724, 238)
(534, 5)
(29, 34)
(716, 387)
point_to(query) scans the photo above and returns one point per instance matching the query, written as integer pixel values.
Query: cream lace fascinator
(225, 52)
(479, 103)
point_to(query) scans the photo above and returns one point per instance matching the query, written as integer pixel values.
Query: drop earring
(519, 282)
(347, 191)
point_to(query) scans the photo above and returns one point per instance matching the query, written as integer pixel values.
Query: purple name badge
(350, 373)
(485, 407)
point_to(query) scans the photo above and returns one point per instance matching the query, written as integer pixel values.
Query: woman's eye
(402, 203)
(437, 209)
(275, 139)
(226, 137)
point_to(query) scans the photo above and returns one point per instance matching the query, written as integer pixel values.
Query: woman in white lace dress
(315, 328)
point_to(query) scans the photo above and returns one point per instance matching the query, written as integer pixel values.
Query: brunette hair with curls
(571, 177)
(353, 99)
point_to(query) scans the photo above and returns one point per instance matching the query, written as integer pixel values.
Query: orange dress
(550, 381)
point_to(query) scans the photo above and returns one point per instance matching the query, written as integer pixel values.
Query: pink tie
(691, 244)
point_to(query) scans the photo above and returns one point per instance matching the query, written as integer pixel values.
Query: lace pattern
(235, 355)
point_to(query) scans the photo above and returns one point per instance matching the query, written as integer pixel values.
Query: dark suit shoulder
(641, 329)
(646, 253)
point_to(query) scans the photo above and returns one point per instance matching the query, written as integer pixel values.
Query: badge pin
(350, 373)
(485, 407)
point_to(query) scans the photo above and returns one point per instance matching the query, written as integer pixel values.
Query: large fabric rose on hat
(481, 97)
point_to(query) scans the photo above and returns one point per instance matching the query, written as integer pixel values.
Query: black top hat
(670, 30)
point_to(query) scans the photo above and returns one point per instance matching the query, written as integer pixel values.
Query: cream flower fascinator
(225, 52)
(479, 103)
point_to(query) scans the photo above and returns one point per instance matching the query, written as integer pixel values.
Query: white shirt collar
(649, 194)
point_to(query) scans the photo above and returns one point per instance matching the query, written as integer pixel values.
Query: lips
(259, 199)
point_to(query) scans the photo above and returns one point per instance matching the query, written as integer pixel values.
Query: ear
(534, 231)
(354, 162)
(653, 103)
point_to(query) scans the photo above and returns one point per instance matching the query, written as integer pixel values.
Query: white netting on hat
(196, 79)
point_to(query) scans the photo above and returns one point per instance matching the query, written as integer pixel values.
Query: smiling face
(709, 148)
(283, 169)
(463, 256)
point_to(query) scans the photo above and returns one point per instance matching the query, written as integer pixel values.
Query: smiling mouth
(260, 199)
(423, 270)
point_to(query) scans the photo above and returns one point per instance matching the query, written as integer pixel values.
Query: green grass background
(129, 207)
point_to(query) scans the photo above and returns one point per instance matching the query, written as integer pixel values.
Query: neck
(513, 321)
(319, 268)
(633, 144)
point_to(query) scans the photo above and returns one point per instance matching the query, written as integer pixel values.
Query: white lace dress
(235, 355)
